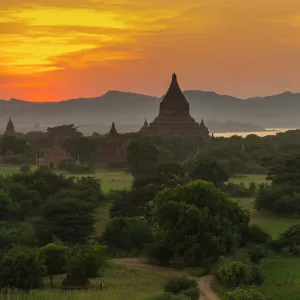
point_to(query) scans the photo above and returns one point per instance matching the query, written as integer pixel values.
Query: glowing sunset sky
(59, 49)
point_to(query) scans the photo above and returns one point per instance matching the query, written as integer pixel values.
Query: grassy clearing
(274, 225)
(111, 180)
(247, 179)
(102, 217)
(119, 281)
(282, 278)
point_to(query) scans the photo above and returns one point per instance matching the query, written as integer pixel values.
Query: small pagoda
(10, 128)
(54, 156)
(174, 117)
(112, 153)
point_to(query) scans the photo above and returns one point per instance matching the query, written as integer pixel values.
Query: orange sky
(52, 51)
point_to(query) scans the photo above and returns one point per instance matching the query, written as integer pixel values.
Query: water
(269, 131)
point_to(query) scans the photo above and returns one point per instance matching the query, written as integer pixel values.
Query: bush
(256, 276)
(85, 261)
(128, 234)
(25, 169)
(21, 269)
(178, 284)
(244, 294)
(191, 293)
(256, 235)
(197, 272)
(257, 253)
(233, 274)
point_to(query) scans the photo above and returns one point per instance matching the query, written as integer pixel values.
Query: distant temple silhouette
(112, 152)
(174, 117)
(10, 128)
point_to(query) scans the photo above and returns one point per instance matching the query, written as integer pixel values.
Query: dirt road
(206, 293)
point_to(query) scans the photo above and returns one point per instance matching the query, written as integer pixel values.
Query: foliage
(21, 269)
(141, 157)
(239, 190)
(208, 169)
(127, 234)
(197, 222)
(290, 237)
(256, 235)
(244, 294)
(192, 293)
(257, 253)
(54, 259)
(86, 260)
(25, 169)
(69, 219)
(177, 284)
(234, 273)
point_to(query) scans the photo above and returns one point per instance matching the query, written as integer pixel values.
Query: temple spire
(113, 129)
(10, 128)
(145, 123)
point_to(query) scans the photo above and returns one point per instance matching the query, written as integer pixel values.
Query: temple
(54, 156)
(112, 153)
(10, 128)
(174, 117)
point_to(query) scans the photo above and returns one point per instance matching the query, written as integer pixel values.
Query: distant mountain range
(278, 111)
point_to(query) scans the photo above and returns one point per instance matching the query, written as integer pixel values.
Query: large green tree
(208, 169)
(69, 219)
(197, 222)
(141, 157)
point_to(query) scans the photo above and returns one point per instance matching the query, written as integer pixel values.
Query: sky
(53, 50)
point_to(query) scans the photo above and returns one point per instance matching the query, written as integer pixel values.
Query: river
(269, 131)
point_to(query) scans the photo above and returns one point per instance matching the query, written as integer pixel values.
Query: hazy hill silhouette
(129, 108)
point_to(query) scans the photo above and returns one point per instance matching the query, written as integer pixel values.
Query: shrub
(127, 234)
(256, 277)
(21, 269)
(177, 284)
(257, 235)
(233, 274)
(197, 272)
(244, 294)
(25, 169)
(257, 253)
(192, 293)
(85, 261)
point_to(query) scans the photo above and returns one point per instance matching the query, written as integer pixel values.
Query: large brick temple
(174, 117)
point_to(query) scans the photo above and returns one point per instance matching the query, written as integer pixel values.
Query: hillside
(278, 111)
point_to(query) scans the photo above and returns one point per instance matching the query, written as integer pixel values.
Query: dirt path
(206, 293)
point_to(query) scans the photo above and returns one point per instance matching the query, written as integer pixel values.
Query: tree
(21, 269)
(197, 222)
(54, 258)
(128, 234)
(9, 210)
(69, 219)
(85, 261)
(141, 157)
(208, 169)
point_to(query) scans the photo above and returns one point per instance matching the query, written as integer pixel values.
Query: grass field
(247, 179)
(110, 180)
(119, 281)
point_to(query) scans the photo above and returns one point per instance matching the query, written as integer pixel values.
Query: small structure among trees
(111, 153)
(55, 155)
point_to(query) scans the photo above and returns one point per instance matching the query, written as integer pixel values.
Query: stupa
(174, 117)
(112, 152)
(10, 128)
